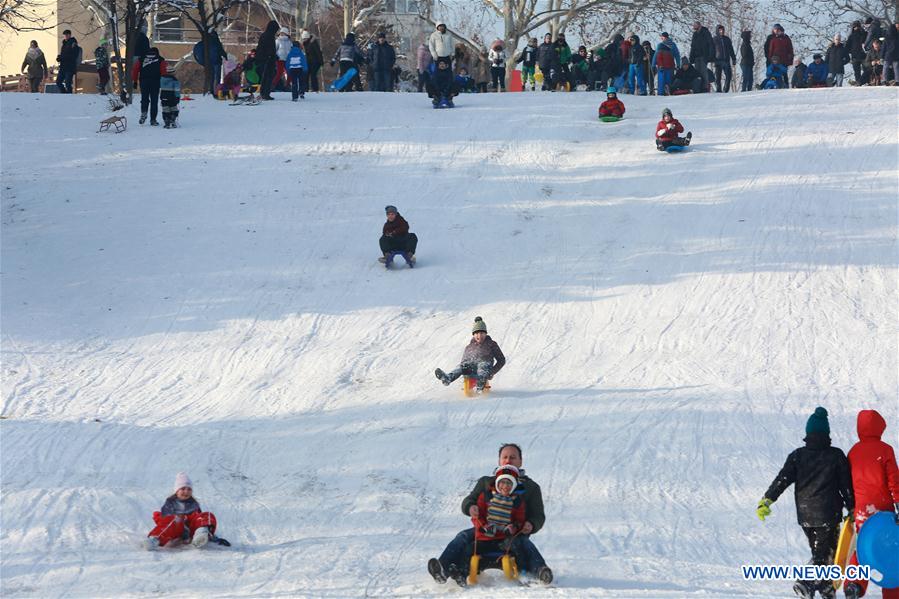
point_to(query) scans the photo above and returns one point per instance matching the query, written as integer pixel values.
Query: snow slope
(207, 299)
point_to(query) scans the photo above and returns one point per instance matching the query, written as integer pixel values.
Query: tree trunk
(120, 68)
(347, 17)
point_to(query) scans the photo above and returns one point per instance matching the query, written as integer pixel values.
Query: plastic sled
(845, 547)
(470, 384)
(610, 119)
(878, 547)
(675, 149)
(496, 561)
(680, 92)
(388, 261)
(343, 81)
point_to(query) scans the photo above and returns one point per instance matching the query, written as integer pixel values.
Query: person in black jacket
(151, 70)
(891, 54)
(383, 57)
(823, 487)
(68, 57)
(612, 66)
(856, 46)
(314, 59)
(635, 59)
(837, 57)
(747, 61)
(702, 51)
(266, 60)
(549, 62)
(725, 59)
(874, 32)
(686, 79)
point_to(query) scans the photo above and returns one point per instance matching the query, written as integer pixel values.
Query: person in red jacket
(612, 106)
(667, 132)
(779, 44)
(181, 519)
(875, 481)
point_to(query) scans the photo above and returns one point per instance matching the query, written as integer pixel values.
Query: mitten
(764, 508)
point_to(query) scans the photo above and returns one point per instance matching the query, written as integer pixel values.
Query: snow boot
(383, 259)
(545, 575)
(441, 376)
(167, 125)
(826, 590)
(154, 122)
(803, 590)
(201, 537)
(436, 570)
(410, 259)
(688, 138)
(151, 543)
(449, 103)
(459, 577)
(143, 118)
(436, 102)
(852, 590)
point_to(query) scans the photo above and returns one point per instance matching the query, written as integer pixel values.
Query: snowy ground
(208, 299)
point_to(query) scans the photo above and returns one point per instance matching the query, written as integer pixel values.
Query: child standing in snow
(482, 358)
(528, 58)
(823, 487)
(296, 71)
(667, 130)
(169, 97)
(612, 106)
(181, 519)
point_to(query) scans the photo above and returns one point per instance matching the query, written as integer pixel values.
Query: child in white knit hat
(181, 520)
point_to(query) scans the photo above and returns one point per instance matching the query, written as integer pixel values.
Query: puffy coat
(313, 51)
(486, 351)
(496, 57)
(424, 58)
(397, 228)
(282, 46)
(747, 56)
(101, 57)
(823, 484)
(174, 506)
(667, 55)
(169, 90)
(856, 42)
(528, 57)
(150, 69)
(702, 45)
(778, 71)
(547, 57)
(35, 63)
(636, 54)
(664, 133)
(724, 49)
(440, 44)
(611, 107)
(68, 54)
(348, 52)
(518, 515)
(383, 57)
(265, 49)
(816, 73)
(836, 58)
(296, 59)
(875, 476)
(527, 489)
(780, 46)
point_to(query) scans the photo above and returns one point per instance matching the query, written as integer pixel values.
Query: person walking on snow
(667, 130)
(35, 64)
(101, 61)
(395, 237)
(526, 512)
(296, 71)
(383, 57)
(349, 57)
(612, 106)
(823, 487)
(875, 483)
(180, 519)
(149, 71)
(68, 59)
(482, 358)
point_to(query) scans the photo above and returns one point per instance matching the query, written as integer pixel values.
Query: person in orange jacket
(875, 480)
(612, 106)
(667, 130)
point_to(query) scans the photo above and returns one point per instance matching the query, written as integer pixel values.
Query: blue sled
(878, 547)
(343, 81)
(445, 103)
(673, 149)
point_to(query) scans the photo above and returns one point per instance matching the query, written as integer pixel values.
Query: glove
(510, 530)
(489, 530)
(764, 508)
(670, 125)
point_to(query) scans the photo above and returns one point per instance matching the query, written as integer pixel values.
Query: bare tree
(23, 15)
(816, 21)
(356, 12)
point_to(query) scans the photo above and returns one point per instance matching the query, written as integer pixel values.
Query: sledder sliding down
(481, 359)
(442, 85)
(396, 239)
(180, 520)
(666, 134)
(505, 509)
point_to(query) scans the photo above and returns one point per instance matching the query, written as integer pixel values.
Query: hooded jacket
(747, 56)
(667, 55)
(348, 52)
(856, 42)
(36, 63)
(68, 54)
(527, 490)
(664, 133)
(702, 45)
(817, 73)
(636, 53)
(440, 44)
(497, 56)
(283, 46)
(486, 351)
(875, 476)
(423, 58)
(823, 484)
(296, 59)
(265, 49)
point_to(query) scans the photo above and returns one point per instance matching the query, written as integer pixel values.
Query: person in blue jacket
(667, 59)
(296, 71)
(816, 73)
(774, 76)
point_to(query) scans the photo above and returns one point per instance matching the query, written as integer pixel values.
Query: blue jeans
(636, 71)
(481, 370)
(666, 76)
(747, 78)
(64, 81)
(458, 553)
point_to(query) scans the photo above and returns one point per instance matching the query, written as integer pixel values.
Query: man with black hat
(396, 237)
(823, 487)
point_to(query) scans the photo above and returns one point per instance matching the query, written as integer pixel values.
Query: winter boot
(458, 576)
(436, 570)
(154, 122)
(441, 376)
(436, 102)
(201, 537)
(151, 543)
(688, 138)
(545, 575)
(167, 125)
(852, 590)
(803, 590)
(449, 102)
(143, 118)
(409, 258)
(826, 590)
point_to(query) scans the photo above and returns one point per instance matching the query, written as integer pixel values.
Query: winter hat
(439, 24)
(284, 31)
(389, 208)
(817, 422)
(668, 112)
(382, 34)
(816, 56)
(509, 473)
(612, 90)
(665, 34)
(182, 480)
(479, 325)
(306, 36)
(104, 41)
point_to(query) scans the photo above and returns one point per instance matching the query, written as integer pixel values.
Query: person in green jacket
(564, 51)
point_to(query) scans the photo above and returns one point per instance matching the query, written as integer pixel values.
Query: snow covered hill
(207, 299)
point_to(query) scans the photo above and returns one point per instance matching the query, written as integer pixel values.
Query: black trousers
(401, 243)
(268, 76)
(313, 77)
(822, 540)
(149, 98)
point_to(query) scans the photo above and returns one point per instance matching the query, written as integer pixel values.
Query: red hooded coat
(666, 133)
(875, 476)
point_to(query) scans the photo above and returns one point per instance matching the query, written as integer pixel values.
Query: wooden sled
(119, 122)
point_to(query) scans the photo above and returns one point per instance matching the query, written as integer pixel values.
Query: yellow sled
(508, 564)
(469, 387)
(845, 547)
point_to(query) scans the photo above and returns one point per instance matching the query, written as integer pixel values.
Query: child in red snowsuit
(181, 519)
(612, 106)
(875, 481)
(667, 130)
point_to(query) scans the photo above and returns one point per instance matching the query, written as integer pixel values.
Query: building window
(168, 27)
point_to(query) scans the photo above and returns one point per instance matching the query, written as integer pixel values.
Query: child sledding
(612, 109)
(481, 360)
(442, 86)
(181, 520)
(667, 131)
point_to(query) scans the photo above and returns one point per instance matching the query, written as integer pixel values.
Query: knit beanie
(182, 480)
(509, 473)
(817, 422)
(479, 325)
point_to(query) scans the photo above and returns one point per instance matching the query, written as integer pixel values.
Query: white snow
(208, 299)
